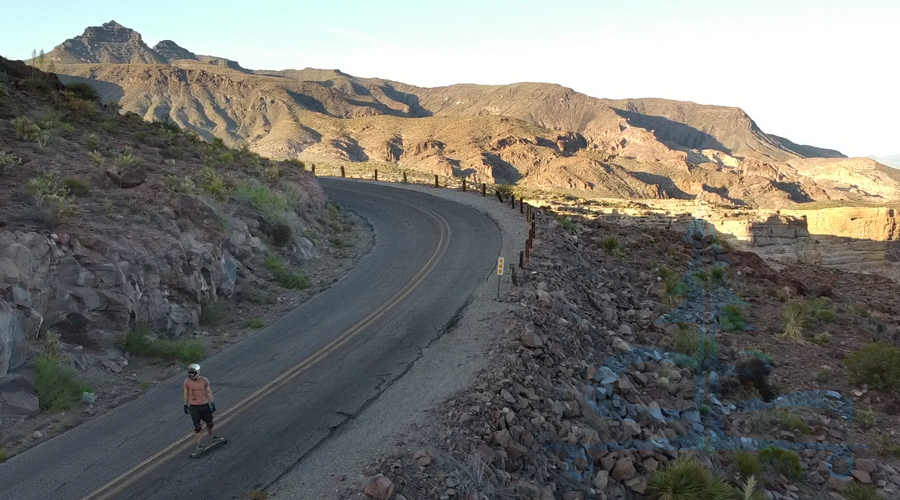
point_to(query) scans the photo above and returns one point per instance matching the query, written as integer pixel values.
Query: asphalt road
(283, 391)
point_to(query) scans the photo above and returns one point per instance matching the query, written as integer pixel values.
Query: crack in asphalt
(452, 322)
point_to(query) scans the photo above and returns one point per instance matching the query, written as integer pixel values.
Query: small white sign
(500, 266)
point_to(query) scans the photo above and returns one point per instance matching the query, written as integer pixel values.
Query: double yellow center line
(139, 471)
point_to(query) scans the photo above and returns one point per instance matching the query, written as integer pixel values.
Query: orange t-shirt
(196, 390)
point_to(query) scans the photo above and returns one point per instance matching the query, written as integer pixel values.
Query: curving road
(283, 391)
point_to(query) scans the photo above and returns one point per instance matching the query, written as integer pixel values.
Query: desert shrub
(820, 310)
(695, 352)
(791, 421)
(53, 121)
(877, 364)
(283, 275)
(255, 323)
(256, 296)
(93, 142)
(4, 456)
(567, 224)
(732, 318)
(58, 387)
(688, 479)
(211, 313)
(282, 234)
(782, 461)
(613, 246)
(8, 160)
(504, 190)
(53, 195)
(185, 185)
(795, 316)
(37, 82)
(140, 343)
(858, 491)
(747, 464)
(717, 273)
(267, 201)
(84, 91)
(866, 418)
(27, 130)
(212, 182)
(77, 186)
(126, 159)
(674, 290)
(701, 276)
(97, 158)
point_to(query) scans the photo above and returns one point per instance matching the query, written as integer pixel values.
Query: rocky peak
(172, 51)
(109, 43)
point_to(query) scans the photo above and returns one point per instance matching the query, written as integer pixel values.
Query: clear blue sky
(819, 72)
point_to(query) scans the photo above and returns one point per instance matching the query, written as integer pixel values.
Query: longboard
(216, 444)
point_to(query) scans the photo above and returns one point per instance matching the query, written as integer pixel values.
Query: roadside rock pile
(582, 403)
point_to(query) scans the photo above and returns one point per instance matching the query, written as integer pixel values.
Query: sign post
(499, 273)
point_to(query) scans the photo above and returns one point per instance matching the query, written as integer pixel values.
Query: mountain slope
(535, 134)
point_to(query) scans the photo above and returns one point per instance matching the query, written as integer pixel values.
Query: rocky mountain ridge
(532, 134)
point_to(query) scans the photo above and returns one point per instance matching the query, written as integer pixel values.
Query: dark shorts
(201, 413)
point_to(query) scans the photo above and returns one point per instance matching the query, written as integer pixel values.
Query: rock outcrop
(109, 43)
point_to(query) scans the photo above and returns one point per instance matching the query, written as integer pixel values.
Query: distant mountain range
(891, 161)
(534, 134)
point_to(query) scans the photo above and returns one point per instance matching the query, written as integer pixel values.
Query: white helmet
(193, 369)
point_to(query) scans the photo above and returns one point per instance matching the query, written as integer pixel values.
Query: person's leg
(208, 418)
(195, 416)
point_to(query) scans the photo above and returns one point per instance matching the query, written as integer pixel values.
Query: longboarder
(199, 404)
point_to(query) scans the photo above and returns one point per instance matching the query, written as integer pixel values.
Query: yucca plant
(688, 479)
(858, 491)
(794, 315)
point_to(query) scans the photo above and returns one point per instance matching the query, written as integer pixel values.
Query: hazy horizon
(807, 71)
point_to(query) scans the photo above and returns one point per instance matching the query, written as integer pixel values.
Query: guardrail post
(313, 168)
(404, 177)
(464, 185)
(436, 181)
(342, 171)
(521, 206)
(483, 189)
(376, 174)
(512, 201)
(521, 259)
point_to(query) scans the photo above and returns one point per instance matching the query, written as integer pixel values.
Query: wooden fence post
(342, 171)
(483, 189)
(404, 177)
(464, 185)
(313, 167)
(376, 174)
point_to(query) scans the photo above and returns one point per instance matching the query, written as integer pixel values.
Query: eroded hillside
(532, 134)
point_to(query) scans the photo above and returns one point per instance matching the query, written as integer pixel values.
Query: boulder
(380, 488)
(17, 396)
(13, 338)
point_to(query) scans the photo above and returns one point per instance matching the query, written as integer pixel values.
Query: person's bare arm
(209, 394)
(186, 396)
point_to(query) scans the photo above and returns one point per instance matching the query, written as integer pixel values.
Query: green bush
(674, 290)
(858, 491)
(212, 182)
(688, 479)
(211, 313)
(84, 91)
(4, 456)
(77, 186)
(877, 364)
(717, 272)
(747, 464)
(791, 421)
(818, 309)
(783, 461)
(255, 323)
(57, 386)
(282, 234)
(140, 343)
(272, 204)
(732, 318)
(696, 351)
(284, 276)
